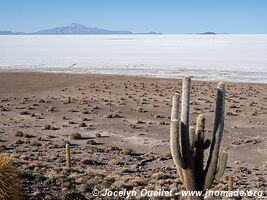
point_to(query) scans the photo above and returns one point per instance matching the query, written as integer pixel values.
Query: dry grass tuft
(9, 182)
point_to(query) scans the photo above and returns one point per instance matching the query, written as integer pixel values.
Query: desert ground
(118, 131)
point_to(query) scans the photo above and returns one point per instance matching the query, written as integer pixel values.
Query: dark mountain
(75, 28)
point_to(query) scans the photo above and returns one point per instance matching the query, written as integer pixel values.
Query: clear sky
(166, 16)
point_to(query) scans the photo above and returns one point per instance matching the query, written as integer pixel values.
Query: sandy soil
(124, 127)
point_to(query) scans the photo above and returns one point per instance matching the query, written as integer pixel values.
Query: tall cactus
(188, 143)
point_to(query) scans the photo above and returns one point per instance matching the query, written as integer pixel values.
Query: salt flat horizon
(234, 58)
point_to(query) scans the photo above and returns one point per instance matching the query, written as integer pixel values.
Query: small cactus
(9, 182)
(230, 183)
(68, 161)
(188, 143)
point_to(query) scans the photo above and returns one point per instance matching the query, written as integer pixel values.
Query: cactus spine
(68, 161)
(188, 143)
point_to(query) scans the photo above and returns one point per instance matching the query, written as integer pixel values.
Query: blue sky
(166, 16)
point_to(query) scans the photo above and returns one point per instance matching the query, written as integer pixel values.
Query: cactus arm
(175, 148)
(192, 140)
(185, 101)
(175, 145)
(185, 120)
(175, 107)
(222, 165)
(200, 147)
(192, 148)
(175, 137)
(188, 173)
(211, 167)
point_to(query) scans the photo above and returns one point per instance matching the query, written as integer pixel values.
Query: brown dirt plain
(124, 127)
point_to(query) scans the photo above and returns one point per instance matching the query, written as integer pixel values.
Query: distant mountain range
(75, 29)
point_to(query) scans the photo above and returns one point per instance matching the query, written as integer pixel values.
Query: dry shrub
(9, 181)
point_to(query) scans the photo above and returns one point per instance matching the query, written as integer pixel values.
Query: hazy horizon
(207, 31)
